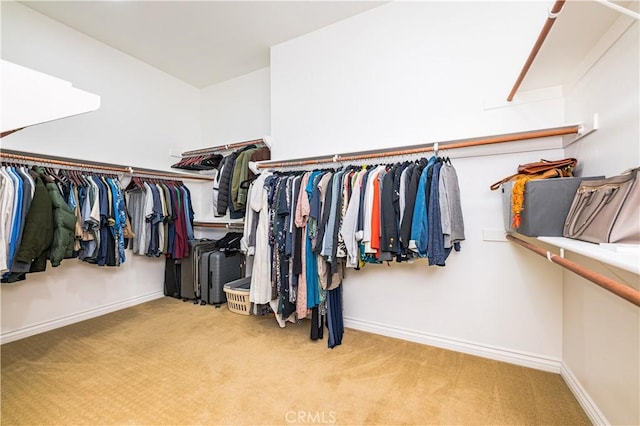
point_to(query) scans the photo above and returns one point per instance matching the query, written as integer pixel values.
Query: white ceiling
(199, 42)
(206, 42)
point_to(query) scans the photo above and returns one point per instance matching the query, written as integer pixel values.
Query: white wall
(144, 114)
(414, 72)
(233, 111)
(403, 74)
(610, 89)
(236, 110)
(601, 332)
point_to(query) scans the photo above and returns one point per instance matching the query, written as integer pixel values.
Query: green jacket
(37, 233)
(64, 225)
(240, 174)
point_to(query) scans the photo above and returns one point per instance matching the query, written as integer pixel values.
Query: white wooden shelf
(232, 223)
(30, 97)
(623, 256)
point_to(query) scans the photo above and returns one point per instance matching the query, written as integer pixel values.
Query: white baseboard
(31, 330)
(500, 354)
(590, 408)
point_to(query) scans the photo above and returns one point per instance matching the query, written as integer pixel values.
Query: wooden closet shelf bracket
(619, 289)
(553, 14)
(222, 147)
(44, 159)
(178, 176)
(116, 168)
(453, 144)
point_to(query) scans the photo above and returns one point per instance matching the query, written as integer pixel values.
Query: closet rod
(223, 225)
(8, 132)
(461, 143)
(169, 175)
(62, 163)
(615, 287)
(16, 155)
(553, 14)
(221, 148)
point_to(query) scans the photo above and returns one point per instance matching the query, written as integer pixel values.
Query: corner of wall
(594, 413)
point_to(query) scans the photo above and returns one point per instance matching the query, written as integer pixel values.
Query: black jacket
(37, 235)
(224, 190)
(389, 234)
(409, 204)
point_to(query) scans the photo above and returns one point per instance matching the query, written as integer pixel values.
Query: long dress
(260, 291)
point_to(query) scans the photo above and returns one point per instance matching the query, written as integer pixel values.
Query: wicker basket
(238, 301)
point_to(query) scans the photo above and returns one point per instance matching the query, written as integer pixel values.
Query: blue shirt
(17, 215)
(311, 273)
(119, 216)
(420, 224)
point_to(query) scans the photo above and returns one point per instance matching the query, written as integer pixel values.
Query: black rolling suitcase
(216, 269)
(189, 288)
(172, 278)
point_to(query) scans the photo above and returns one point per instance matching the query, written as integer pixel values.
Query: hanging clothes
(233, 178)
(260, 290)
(99, 204)
(56, 215)
(304, 228)
(216, 187)
(450, 207)
(302, 216)
(335, 322)
(28, 227)
(38, 223)
(161, 218)
(64, 220)
(349, 229)
(436, 251)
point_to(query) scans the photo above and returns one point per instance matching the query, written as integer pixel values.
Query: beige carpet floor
(173, 363)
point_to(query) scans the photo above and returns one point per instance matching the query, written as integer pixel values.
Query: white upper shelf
(623, 256)
(30, 97)
(582, 33)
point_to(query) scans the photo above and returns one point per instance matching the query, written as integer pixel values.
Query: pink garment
(302, 215)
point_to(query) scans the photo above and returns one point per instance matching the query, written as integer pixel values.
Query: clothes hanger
(63, 178)
(132, 184)
(78, 178)
(51, 174)
(72, 177)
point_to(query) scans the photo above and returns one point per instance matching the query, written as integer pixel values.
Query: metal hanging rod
(170, 175)
(8, 132)
(613, 286)
(219, 225)
(222, 148)
(460, 143)
(551, 19)
(67, 162)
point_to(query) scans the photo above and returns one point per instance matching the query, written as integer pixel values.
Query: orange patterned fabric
(517, 194)
(517, 199)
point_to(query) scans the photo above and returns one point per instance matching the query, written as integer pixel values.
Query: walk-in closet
(377, 173)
